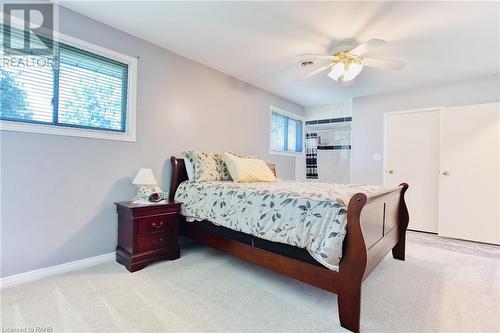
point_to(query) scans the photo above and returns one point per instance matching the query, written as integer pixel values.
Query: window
(79, 90)
(286, 132)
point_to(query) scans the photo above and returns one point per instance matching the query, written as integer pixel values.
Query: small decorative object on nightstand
(146, 233)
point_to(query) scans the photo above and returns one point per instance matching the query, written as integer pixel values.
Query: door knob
(445, 173)
(390, 171)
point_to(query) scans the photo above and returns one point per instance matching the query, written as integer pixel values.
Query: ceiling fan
(345, 65)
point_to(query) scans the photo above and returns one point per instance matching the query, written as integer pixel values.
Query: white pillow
(248, 169)
(189, 168)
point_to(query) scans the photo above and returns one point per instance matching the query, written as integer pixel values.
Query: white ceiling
(258, 42)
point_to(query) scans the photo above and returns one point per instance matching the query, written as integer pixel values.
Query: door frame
(391, 113)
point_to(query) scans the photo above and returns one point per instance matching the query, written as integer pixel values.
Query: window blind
(92, 90)
(80, 88)
(278, 131)
(26, 90)
(286, 133)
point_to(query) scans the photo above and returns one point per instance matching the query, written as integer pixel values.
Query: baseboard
(423, 232)
(14, 280)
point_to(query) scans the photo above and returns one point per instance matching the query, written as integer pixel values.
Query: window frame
(128, 135)
(289, 115)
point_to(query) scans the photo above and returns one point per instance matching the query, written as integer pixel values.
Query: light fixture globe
(346, 66)
(352, 72)
(337, 71)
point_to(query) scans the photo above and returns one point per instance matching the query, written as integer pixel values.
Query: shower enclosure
(328, 143)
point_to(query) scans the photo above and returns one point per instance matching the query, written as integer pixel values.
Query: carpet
(441, 287)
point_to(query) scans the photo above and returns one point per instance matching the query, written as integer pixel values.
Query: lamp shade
(145, 177)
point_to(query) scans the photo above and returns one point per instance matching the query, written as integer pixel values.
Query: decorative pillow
(246, 169)
(189, 163)
(208, 166)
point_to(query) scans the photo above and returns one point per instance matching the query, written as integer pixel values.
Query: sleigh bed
(376, 224)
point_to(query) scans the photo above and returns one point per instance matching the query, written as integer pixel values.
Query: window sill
(286, 153)
(128, 136)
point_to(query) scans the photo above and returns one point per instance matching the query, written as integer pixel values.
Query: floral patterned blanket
(309, 215)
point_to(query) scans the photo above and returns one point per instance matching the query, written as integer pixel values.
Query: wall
(368, 118)
(58, 192)
(341, 109)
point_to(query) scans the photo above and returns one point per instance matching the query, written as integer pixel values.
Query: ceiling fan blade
(314, 72)
(314, 56)
(365, 47)
(343, 45)
(394, 65)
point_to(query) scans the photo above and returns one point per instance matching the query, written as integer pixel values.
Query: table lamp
(146, 184)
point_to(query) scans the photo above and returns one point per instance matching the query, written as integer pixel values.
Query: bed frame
(375, 226)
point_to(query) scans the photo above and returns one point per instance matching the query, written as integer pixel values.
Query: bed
(335, 256)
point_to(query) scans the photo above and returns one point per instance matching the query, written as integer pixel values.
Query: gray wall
(368, 117)
(57, 192)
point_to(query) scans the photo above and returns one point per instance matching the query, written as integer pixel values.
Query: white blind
(26, 87)
(286, 133)
(278, 131)
(80, 89)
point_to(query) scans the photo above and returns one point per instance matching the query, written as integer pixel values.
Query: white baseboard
(38, 274)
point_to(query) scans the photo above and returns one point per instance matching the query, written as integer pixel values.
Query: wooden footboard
(375, 226)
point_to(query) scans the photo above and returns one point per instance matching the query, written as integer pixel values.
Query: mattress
(307, 215)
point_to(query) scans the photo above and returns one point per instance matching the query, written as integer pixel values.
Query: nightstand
(146, 233)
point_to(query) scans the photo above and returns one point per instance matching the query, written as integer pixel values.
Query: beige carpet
(442, 287)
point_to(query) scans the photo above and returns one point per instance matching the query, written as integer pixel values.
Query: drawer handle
(157, 225)
(157, 242)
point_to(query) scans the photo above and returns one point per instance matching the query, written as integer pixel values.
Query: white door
(470, 173)
(412, 156)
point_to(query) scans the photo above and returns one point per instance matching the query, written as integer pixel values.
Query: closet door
(469, 182)
(412, 156)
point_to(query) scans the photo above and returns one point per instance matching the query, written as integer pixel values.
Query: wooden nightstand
(147, 233)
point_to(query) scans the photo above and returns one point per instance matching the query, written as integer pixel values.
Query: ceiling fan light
(352, 72)
(337, 71)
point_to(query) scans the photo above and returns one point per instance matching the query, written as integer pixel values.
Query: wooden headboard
(179, 174)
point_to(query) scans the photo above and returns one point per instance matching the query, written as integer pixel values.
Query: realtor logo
(38, 27)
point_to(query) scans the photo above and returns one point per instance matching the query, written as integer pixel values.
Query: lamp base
(143, 193)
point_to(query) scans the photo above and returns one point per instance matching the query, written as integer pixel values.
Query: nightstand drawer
(157, 240)
(150, 225)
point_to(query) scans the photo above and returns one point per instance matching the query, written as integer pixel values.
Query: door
(470, 173)
(412, 156)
